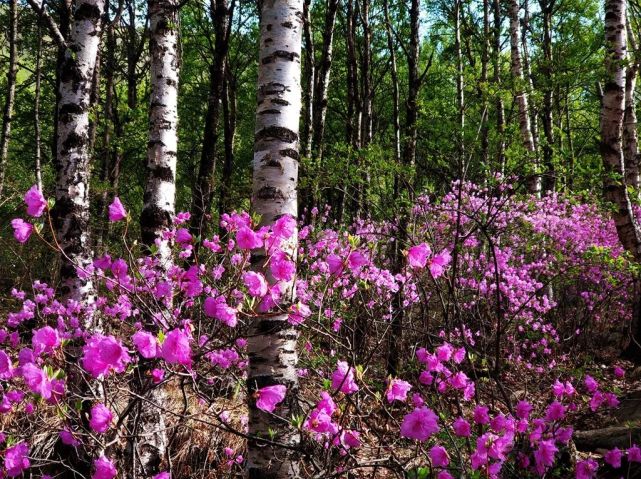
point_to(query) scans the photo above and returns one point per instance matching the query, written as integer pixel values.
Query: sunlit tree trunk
(149, 437)
(10, 94)
(482, 89)
(272, 340)
(521, 97)
(71, 212)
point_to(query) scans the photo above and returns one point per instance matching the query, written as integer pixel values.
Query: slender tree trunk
(408, 183)
(630, 134)
(528, 72)
(322, 78)
(310, 81)
(460, 85)
(37, 132)
(94, 99)
(149, 437)
(396, 121)
(353, 121)
(549, 179)
(500, 111)
(482, 90)
(353, 126)
(366, 74)
(10, 94)
(132, 55)
(203, 193)
(108, 114)
(272, 340)
(229, 118)
(568, 134)
(411, 110)
(520, 93)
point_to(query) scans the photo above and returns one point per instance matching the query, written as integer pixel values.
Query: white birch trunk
(612, 114)
(534, 180)
(150, 439)
(630, 134)
(71, 213)
(272, 340)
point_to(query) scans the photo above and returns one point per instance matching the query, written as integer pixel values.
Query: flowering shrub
(485, 277)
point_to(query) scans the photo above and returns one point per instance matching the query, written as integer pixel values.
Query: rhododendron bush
(501, 296)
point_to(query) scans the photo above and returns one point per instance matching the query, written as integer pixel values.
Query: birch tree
(612, 114)
(521, 97)
(272, 340)
(149, 439)
(71, 212)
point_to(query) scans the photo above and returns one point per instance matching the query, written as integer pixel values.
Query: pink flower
(255, 283)
(16, 460)
(555, 412)
(397, 390)
(420, 424)
(217, 308)
(103, 354)
(284, 227)
(68, 438)
(183, 236)
(246, 238)
(586, 469)
(146, 344)
(6, 368)
(619, 372)
(281, 268)
(461, 427)
(634, 454)
(45, 340)
(157, 375)
(613, 457)
(36, 203)
(268, 397)
(101, 418)
(21, 230)
(417, 256)
(481, 415)
(590, 383)
(117, 211)
(162, 475)
(343, 378)
(37, 380)
(103, 469)
(356, 260)
(439, 263)
(176, 349)
(523, 409)
(439, 457)
(444, 475)
(544, 455)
